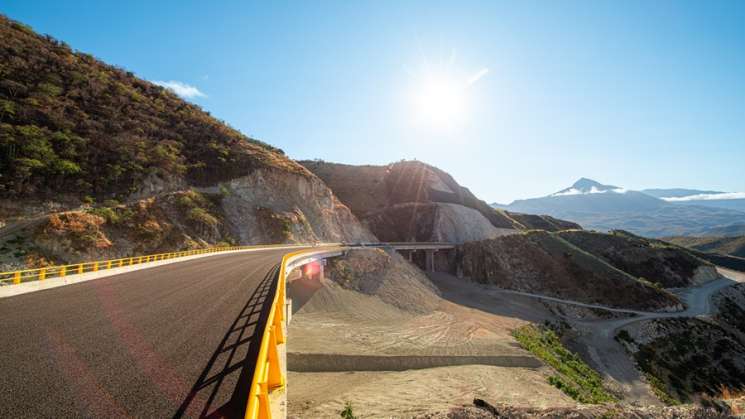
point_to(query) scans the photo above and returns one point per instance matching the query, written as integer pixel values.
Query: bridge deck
(175, 340)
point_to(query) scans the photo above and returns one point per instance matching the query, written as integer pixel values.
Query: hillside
(658, 262)
(95, 162)
(413, 201)
(544, 263)
(733, 246)
(72, 125)
(689, 357)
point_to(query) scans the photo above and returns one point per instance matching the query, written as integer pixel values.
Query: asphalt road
(177, 340)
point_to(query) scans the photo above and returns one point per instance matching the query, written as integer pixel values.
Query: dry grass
(734, 397)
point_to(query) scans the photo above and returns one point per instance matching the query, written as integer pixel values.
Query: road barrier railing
(58, 271)
(268, 373)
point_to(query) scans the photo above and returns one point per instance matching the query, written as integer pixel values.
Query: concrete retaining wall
(307, 362)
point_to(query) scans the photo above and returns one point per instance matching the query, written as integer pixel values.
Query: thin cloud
(182, 89)
(708, 197)
(479, 74)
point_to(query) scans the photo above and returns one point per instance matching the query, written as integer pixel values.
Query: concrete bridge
(193, 334)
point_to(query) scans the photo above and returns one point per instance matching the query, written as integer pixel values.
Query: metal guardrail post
(80, 268)
(42, 274)
(62, 271)
(274, 379)
(17, 278)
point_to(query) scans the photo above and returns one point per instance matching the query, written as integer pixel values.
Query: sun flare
(440, 101)
(441, 97)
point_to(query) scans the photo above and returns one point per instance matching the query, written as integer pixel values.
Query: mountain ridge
(605, 207)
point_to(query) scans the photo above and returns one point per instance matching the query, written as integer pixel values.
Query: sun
(440, 100)
(440, 96)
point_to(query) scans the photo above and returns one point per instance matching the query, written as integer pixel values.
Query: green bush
(575, 378)
(347, 412)
(624, 336)
(200, 215)
(108, 214)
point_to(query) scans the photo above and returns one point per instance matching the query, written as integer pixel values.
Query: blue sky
(514, 99)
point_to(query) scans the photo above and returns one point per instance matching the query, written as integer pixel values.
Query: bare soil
(377, 348)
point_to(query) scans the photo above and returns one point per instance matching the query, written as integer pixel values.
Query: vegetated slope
(75, 131)
(730, 304)
(685, 358)
(733, 246)
(572, 375)
(541, 222)
(727, 231)
(656, 261)
(410, 200)
(74, 125)
(544, 263)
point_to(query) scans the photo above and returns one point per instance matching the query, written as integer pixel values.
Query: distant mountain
(587, 186)
(587, 195)
(653, 213)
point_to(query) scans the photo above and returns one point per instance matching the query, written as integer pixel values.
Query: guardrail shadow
(217, 393)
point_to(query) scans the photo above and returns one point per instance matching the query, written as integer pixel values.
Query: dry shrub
(735, 398)
(83, 230)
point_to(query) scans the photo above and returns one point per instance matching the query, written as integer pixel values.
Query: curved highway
(178, 340)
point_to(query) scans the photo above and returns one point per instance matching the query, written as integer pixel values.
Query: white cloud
(593, 190)
(182, 89)
(708, 197)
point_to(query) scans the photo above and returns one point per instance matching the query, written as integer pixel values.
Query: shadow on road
(222, 389)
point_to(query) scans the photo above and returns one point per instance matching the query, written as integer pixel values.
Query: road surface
(178, 340)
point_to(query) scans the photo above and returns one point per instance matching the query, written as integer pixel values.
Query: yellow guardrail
(268, 375)
(40, 274)
(268, 371)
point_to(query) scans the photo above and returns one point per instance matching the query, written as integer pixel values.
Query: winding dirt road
(609, 357)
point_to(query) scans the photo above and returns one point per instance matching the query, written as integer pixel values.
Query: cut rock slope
(413, 201)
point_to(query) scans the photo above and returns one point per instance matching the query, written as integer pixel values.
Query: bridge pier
(429, 260)
(428, 257)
